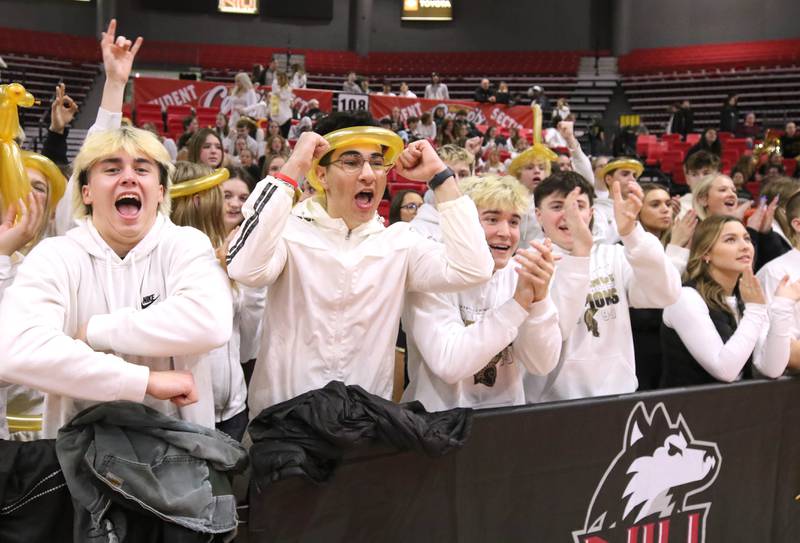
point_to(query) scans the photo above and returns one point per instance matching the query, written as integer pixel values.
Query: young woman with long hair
(206, 147)
(198, 201)
(242, 96)
(721, 328)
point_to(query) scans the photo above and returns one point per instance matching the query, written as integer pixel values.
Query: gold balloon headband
(56, 179)
(538, 151)
(193, 186)
(626, 164)
(359, 135)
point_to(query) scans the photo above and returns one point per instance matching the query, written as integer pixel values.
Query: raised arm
(651, 280)
(464, 258)
(690, 319)
(257, 254)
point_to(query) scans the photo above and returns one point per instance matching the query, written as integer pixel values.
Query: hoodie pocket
(601, 376)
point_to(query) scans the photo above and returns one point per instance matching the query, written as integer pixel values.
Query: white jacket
(335, 296)
(426, 222)
(597, 358)
(472, 348)
(227, 376)
(69, 281)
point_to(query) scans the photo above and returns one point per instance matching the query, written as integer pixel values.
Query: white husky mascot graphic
(645, 492)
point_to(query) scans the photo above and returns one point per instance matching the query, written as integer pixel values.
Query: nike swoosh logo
(147, 302)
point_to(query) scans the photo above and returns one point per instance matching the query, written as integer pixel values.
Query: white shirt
(472, 348)
(598, 358)
(159, 308)
(437, 92)
(335, 296)
(690, 319)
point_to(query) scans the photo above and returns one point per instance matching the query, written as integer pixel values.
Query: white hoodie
(473, 348)
(168, 301)
(8, 268)
(335, 296)
(597, 358)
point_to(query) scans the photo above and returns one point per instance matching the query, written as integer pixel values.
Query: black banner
(718, 463)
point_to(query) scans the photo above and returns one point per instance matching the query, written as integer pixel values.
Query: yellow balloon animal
(14, 183)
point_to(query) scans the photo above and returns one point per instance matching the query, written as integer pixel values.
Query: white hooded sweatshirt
(472, 348)
(597, 358)
(335, 296)
(167, 301)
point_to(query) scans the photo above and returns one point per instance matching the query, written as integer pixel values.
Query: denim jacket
(127, 453)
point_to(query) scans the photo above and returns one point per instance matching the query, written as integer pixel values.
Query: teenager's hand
(473, 145)
(309, 146)
(62, 110)
(750, 289)
(787, 289)
(175, 386)
(535, 271)
(626, 210)
(419, 162)
(683, 230)
(567, 131)
(118, 54)
(762, 217)
(14, 237)
(581, 234)
(675, 205)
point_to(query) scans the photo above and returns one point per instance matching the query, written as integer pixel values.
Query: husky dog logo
(645, 494)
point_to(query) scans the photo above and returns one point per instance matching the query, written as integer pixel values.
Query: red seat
(730, 155)
(692, 139)
(724, 136)
(642, 143)
(678, 176)
(671, 137)
(394, 188)
(754, 188)
(654, 152)
(789, 166)
(383, 209)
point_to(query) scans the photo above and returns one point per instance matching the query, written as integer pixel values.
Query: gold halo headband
(193, 186)
(627, 164)
(359, 135)
(56, 179)
(537, 152)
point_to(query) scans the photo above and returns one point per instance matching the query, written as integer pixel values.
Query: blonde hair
(701, 190)
(135, 142)
(454, 153)
(202, 210)
(697, 270)
(516, 167)
(242, 84)
(501, 192)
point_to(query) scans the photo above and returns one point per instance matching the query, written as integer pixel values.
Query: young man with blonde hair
(472, 348)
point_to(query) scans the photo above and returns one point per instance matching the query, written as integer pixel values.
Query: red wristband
(285, 178)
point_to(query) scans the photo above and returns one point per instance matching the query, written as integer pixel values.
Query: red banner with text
(481, 114)
(180, 92)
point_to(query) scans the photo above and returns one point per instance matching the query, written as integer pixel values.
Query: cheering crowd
(526, 273)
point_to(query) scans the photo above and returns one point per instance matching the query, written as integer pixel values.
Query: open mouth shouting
(364, 200)
(730, 203)
(128, 205)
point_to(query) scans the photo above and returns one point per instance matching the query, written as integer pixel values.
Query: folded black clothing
(308, 435)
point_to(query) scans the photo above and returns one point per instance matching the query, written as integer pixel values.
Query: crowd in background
(530, 272)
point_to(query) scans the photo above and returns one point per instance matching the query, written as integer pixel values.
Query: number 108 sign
(353, 102)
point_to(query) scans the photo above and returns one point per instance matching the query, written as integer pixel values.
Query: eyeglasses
(411, 207)
(353, 163)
